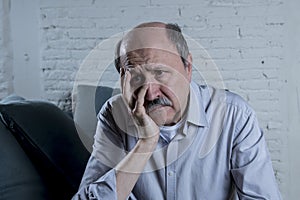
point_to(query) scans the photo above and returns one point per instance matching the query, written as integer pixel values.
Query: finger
(139, 106)
(127, 94)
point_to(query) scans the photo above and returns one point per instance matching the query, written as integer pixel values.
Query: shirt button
(170, 173)
(91, 195)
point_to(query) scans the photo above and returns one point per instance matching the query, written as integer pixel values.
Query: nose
(153, 91)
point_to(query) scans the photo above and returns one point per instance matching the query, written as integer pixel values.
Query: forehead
(148, 56)
(145, 38)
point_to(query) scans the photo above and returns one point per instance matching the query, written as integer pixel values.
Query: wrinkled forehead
(147, 38)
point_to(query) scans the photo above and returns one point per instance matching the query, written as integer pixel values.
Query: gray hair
(174, 34)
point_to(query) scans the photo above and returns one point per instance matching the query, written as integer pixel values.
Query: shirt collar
(196, 114)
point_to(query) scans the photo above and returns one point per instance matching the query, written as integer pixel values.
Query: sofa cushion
(88, 102)
(50, 139)
(11, 99)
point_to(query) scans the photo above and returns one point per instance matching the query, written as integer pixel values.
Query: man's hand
(130, 168)
(147, 128)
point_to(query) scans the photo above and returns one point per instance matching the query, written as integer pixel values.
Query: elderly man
(166, 137)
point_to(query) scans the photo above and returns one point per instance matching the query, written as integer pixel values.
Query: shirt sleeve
(99, 178)
(251, 163)
(103, 187)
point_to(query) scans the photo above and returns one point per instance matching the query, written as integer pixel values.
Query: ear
(189, 67)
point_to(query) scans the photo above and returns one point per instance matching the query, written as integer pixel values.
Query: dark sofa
(41, 153)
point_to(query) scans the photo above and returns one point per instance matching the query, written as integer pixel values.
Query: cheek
(172, 94)
(178, 94)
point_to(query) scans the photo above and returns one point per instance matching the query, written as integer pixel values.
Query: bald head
(147, 36)
(153, 35)
(151, 24)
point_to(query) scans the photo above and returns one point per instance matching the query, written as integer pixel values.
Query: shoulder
(115, 113)
(223, 105)
(229, 110)
(223, 97)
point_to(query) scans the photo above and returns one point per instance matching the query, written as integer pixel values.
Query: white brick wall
(244, 37)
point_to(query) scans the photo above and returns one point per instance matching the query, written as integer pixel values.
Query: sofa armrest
(50, 140)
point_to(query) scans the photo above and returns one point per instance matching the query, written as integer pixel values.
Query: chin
(161, 117)
(161, 121)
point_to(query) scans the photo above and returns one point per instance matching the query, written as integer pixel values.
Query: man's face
(167, 81)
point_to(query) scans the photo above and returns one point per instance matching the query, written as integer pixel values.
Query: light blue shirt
(220, 153)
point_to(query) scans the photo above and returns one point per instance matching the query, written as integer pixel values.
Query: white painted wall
(292, 93)
(26, 47)
(6, 57)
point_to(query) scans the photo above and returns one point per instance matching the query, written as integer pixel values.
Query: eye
(159, 73)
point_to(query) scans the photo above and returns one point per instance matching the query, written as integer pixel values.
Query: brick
(269, 10)
(79, 54)
(254, 84)
(262, 62)
(68, 23)
(58, 85)
(90, 33)
(244, 74)
(174, 2)
(265, 105)
(55, 75)
(109, 3)
(64, 3)
(56, 54)
(47, 14)
(77, 44)
(55, 95)
(54, 34)
(59, 44)
(90, 12)
(60, 64)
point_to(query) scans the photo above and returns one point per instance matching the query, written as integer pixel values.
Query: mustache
(163, 101)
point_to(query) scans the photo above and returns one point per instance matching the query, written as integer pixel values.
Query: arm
(251, 164)
(99, 181)
(130, 168)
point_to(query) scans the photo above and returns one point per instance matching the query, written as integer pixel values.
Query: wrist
(148, 144)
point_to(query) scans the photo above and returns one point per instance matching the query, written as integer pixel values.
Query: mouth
(157, 104)
(155, 108)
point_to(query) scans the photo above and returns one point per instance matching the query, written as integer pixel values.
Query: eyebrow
(148, 67)
(156, 66)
